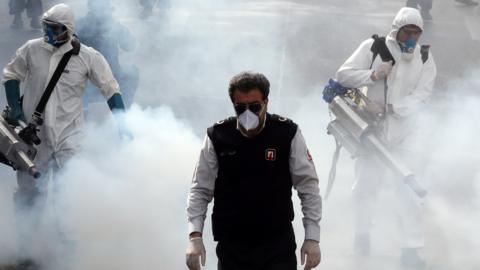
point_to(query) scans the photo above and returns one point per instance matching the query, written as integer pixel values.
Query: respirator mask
(408, 48)
(248, 114)
(52, 31)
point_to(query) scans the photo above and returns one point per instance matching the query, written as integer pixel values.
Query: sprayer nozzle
(34, 173)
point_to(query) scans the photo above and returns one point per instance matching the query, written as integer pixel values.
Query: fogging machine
(359, 131)
(16, 145)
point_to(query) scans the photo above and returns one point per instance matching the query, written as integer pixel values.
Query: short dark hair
(247, 81)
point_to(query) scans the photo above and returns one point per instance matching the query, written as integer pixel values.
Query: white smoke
(123, 203)
(452, 174)
(7, 231)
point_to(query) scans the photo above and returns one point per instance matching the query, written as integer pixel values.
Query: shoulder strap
(424, 51)
(379, 47)
(373, 49)
(37, 115)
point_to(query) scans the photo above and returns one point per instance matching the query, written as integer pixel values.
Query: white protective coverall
(410, 85)
(33, 64)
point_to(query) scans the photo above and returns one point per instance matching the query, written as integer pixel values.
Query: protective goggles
(254, 107)
(52, 31)
(411, 31)
(53, 27)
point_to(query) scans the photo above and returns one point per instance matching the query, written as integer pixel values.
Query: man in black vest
(249, 164)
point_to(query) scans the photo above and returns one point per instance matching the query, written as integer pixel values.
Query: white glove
(310, 249)
(195, 249)
(382, 71)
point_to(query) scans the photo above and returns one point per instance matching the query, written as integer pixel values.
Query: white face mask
(248, 120)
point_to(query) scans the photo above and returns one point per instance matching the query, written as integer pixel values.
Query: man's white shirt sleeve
(305, 181)
(203, 184)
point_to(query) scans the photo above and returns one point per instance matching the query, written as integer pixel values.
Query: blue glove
(116, 103)
(333, 89)
(12, 91)
(118, 109)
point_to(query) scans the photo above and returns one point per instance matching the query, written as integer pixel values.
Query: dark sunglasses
(254, 107)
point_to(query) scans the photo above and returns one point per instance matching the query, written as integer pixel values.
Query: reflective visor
(53, 27)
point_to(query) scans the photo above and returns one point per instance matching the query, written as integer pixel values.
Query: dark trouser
(425, 5)
(34, 7)
(273, 254)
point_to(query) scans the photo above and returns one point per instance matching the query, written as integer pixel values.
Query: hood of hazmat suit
(63, 14)
(34, 64)
(406, 16)
(410, 84)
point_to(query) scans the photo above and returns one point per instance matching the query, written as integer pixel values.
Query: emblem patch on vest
(270, 154)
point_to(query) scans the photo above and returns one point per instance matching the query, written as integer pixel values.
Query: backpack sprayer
(16, 145)
(358, 130)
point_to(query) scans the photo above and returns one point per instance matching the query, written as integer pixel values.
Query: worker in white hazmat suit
(61, 132)
(400, 90)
